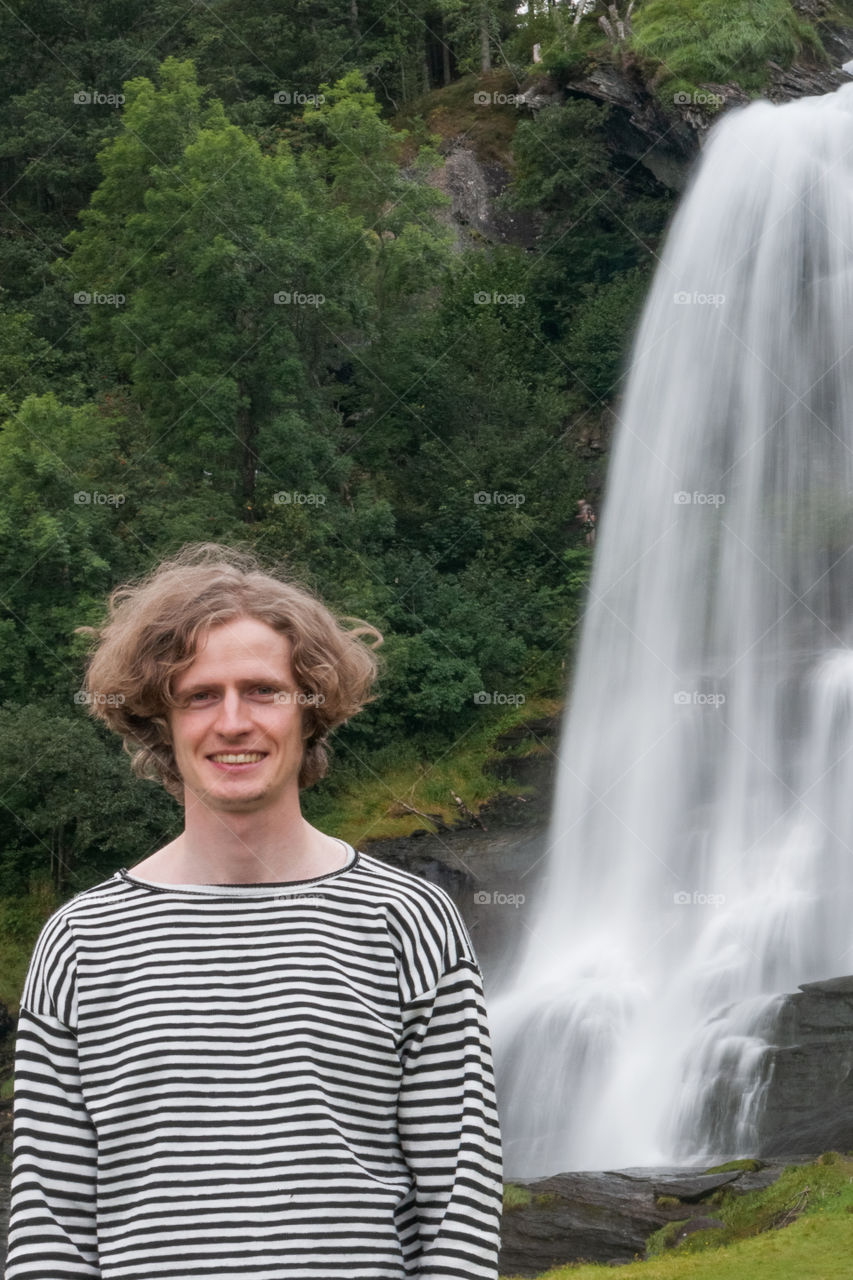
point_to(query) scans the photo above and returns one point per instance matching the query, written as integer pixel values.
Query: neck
(268, 845)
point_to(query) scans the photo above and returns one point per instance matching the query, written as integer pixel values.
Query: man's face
(238, 698)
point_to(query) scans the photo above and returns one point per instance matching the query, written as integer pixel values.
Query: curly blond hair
(153, 629)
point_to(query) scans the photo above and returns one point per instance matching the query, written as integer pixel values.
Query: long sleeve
(52, 1225)
(448, 1126)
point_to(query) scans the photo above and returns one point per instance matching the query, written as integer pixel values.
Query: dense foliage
(233, 309)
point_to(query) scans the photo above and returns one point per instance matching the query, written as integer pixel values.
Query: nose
(232, 717)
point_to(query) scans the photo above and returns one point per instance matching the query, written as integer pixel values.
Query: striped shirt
(276, 1080)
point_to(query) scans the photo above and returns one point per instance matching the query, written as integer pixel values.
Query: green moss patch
(696, 42)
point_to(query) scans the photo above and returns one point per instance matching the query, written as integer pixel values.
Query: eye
(266, 688)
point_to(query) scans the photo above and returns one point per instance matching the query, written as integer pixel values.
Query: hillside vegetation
(232, 310)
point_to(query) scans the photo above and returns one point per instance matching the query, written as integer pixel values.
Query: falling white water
(700, 848)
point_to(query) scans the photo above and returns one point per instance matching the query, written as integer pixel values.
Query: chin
(212, 798)
(251, 800)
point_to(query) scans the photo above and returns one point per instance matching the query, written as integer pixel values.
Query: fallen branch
(793, 1211)
(401, 807)
(466, 812)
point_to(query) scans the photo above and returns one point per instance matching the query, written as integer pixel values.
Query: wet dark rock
(693, 1187)
(594, 1217)
(492, 869)
(638, 126)
(608, 1217)
(808, 1106)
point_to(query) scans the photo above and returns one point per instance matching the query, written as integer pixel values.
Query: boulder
(572, 1217)
(607, 1217)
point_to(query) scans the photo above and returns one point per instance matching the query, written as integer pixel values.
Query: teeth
(243, 758)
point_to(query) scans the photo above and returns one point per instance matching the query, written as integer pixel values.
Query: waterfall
(699, 854)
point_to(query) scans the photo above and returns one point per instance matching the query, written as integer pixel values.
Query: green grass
(515, 1197)
(374, 805)
(694, 42)
(801, 1228)
(20, 923)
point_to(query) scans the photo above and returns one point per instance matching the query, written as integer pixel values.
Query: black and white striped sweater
(279, 1081)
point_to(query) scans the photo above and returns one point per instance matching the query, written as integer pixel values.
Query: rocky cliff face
(666, 142)
(809, 1100)
(474, 185)
(490, 863)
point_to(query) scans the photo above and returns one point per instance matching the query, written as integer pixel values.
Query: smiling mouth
(237, 759)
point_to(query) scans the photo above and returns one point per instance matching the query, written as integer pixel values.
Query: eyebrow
(249, 682)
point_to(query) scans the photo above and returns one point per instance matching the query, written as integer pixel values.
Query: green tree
(233, 279)
(601, 214)
(71, 806)
(243, 278)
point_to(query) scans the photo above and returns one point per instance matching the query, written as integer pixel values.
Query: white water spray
(699, 857)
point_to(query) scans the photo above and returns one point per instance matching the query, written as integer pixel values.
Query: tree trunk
(247, 436)
(247, 430)
(445, 54)
(485, 44)
(58, 868)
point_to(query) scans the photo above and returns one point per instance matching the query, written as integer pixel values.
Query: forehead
(244, 648)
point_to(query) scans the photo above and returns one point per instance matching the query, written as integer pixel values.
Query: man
(258, 1051)
(586, 515)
